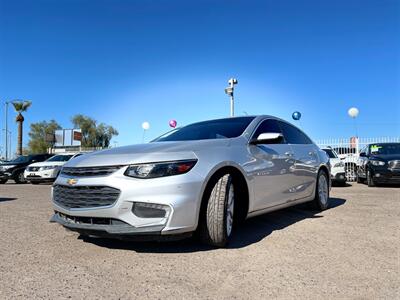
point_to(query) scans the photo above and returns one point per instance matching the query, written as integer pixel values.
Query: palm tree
(20, 106)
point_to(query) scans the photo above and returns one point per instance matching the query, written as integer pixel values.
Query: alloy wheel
(230, 210)
(323, 189)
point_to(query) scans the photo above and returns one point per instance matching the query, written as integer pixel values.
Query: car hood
(9, 163)
(143, 153)
(386, 157)
(334, 160)
(47, 163)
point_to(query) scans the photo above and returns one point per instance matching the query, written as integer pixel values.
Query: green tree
(20, 107)
(38, 142)
(93, 134)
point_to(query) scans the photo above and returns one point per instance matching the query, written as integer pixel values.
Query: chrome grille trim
(83, 197)
(89, 171)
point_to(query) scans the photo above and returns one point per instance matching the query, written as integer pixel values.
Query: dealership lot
(348, 251)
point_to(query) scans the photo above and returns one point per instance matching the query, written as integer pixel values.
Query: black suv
(14, 169)
(379, 163)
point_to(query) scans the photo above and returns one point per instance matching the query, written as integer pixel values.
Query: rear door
(306, 161)
(271, 169)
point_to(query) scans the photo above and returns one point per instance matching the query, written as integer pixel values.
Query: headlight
(154, 170)
(377, 162)
(47, 168)
(7, 167)
(339, 164)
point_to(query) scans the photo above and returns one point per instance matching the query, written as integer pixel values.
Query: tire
(20, 178)
(34, 182)
(359, 179)
(3, 181)
(218, 213)
(370, 180)
(321, 200)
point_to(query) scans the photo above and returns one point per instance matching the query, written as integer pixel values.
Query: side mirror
(363, 154)
(268, 138)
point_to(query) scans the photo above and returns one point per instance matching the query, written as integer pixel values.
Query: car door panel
(271, 169)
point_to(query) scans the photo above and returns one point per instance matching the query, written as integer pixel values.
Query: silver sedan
(204, 177)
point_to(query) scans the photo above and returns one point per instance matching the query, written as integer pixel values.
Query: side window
(293, 135)
(268, 126)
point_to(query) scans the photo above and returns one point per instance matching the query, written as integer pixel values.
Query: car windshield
(21, 159)
(330, 153)
(385, 149)
(60, 158)
(214, 129)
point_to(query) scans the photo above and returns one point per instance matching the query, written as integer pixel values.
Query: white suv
(338, 174)
(47, 171)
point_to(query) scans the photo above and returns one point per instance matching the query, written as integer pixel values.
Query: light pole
(6, 127)
(229, 91)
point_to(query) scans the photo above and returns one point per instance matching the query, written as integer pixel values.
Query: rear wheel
(217, 217)
(321, 200)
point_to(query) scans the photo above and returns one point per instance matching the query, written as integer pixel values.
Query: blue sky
(125, 62)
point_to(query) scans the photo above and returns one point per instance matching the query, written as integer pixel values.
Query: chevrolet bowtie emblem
(72, 181)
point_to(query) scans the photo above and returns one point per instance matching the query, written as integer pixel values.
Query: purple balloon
(172, 123)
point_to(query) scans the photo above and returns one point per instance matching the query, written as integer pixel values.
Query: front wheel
(321, 200)
(20, 178)
(217, 217)
(3, 181)
(370, 180)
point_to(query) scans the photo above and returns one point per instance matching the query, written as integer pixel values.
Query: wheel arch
(325, 169)
(239, 179)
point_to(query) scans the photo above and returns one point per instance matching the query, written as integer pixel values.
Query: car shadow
(4, 199)
(250, 232)
(336, 185)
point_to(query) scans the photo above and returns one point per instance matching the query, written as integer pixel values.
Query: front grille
(33, 169)
(90, 220)
(394, 164)
(89, 171)
(84, 196)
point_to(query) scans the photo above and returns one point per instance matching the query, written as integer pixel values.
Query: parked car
(47, 171)
(379, 163)
(338, 175)
(14, 169)
(202, 177)
(349, 157)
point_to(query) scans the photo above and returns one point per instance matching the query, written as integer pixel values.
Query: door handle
(288, 153)
(311, 153)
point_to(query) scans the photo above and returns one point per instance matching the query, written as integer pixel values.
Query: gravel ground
(349, 251)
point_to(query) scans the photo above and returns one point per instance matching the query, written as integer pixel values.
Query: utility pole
(229, 91)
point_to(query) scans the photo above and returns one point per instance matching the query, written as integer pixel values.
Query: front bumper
(4, 176)
(181, 193)
(384, 175)
(41, 176)
(339, 177)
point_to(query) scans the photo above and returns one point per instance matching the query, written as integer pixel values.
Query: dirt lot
(348, 251)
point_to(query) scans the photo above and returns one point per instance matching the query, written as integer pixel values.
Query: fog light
(377, 175)
(150, 210)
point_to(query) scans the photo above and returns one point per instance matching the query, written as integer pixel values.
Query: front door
(271, 168)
